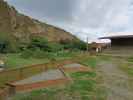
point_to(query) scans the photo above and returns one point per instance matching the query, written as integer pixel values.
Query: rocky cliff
(21, 27)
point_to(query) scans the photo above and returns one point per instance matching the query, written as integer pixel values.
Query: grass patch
(90, 61)
(128, 68)
(80, 75)
(83, 87)
(16, 60)
(130, 59)
(80, 89)
(104, 57)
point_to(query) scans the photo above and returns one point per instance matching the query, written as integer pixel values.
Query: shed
(120, 40)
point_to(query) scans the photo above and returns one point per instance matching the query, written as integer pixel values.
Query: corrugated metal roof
(118, 35)
(113, 37)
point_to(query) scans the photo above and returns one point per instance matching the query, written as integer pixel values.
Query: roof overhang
(117, 37)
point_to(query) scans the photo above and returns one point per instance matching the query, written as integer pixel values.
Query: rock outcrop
(22, 27)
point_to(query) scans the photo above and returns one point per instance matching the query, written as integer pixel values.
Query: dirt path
(115, 81)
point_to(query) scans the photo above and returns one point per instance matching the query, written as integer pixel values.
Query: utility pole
(87, 48)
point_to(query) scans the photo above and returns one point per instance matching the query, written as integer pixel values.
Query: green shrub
(130, 59)
(90, 61)
(7, 43)
(27, 53)
(81, 75)
(38, 42)
(43, 44)
(40, 54)
(79, 45)
(54, 47)
(74, 44)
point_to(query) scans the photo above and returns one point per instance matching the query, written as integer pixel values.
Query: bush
(43, 44)
(38, 43)
(74, 44)
(27, 53)
(8, 43)
(40, 54)
(54, 47)
(35, 54)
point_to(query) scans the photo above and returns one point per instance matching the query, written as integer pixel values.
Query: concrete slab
(75, 67)
(48, 75)
(43, 80)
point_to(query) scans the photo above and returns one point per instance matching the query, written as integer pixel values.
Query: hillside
(19, 27)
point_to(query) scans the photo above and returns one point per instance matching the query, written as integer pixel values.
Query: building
(120, 40)
(100, 45)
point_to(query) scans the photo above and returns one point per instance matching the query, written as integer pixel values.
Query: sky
(83, 18)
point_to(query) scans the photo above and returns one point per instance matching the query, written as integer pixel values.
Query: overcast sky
(92, 18)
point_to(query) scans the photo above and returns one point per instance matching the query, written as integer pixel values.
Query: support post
(87, 48)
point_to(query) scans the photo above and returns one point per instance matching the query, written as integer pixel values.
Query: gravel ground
(115, 81)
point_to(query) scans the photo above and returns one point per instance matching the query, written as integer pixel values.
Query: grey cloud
(78, 15)
(96, 11)
(56, 10)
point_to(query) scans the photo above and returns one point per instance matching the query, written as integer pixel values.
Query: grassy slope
(15, 61)
(22, 27)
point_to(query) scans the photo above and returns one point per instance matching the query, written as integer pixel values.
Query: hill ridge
(22, 27)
